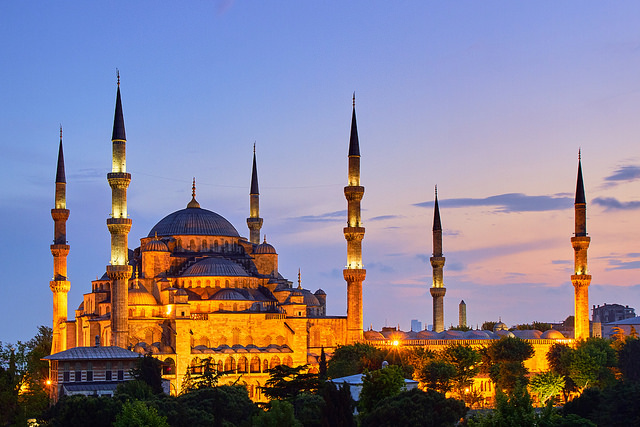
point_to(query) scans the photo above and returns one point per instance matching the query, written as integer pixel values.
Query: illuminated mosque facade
(196, 289)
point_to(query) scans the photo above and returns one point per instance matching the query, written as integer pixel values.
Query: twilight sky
(489, 100)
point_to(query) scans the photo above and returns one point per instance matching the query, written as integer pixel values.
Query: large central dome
(193, 221)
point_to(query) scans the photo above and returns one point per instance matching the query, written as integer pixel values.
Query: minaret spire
(254, 222)
(60, 286)
(437, 264)
(580, 242)
(354, 273)
(119, 224)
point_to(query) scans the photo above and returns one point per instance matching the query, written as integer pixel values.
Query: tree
(505, 359)
(618, 337)
(23, 376)
(286, 383)
(137, 414)
(415, 408)
(613, 406)
(466, 361)
(207, 379)
(376, 385)
(513, 409)
(322, 373)
(488, 325)
(591, 363)
(629, 360)
(354, 359)
(437, 375)
(559, 359)
(280, 414)
(310, 409)
(339, 405)
(632, 332)
(546, 385)
(82, 411)
(227, 404)
(149, 370)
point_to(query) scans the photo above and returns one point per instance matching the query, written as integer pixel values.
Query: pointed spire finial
(60, 131)
(299, 280)
(254, 147)
(579, 153)
(118, 76)
(354, 99)
(193, 203)
(60, 175)
(436, 190)
(265, 238)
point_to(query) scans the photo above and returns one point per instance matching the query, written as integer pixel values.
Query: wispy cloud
(561, 261)
(385, 217)
(623, 265)
(510, 202)
(611, 203)
(325, 217)
(624, 173)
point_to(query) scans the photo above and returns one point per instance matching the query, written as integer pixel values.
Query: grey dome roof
(155, 246)
(552, 334)
(229, 294)
(265, 248)
(215, 267)
(528, 334)
(193, 221)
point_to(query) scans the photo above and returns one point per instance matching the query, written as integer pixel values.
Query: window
(78, 374)
(89, 371)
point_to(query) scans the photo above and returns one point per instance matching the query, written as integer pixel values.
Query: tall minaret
(462, 314)
(437, 263)
(580, 243)
(60, 285)
(354, 274)
(254, 222)
(119, 270)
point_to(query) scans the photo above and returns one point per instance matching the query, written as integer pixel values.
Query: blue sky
(489, 100)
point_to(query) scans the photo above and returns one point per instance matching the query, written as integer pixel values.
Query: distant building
(90, 371)
(625, 325)
(613, 312)
(416, 325)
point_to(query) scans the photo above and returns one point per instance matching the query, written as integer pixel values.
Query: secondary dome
(215, 267)
(193, 221)
(265, 248)
(155, 246)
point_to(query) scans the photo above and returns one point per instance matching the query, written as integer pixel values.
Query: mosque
(195, 288)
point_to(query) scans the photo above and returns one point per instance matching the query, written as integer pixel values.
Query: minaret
(119, 270)
(354, 274)
(254, 222)
(60, 285)
(581, 279)
(462, 314)
(437, 263)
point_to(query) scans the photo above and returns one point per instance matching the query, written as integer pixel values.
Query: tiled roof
(93, 353)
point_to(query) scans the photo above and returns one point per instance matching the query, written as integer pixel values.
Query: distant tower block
(581, 279)
(437, 263)
(462, 314)
(60, 286)
(254, 222)
(354, 273)
(119, 224)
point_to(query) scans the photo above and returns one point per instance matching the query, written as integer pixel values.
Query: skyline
(490, 102)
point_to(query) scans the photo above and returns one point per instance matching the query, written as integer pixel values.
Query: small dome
(529, 334)
(319, 292)
(310, 299)
(373, 335)
(505, 333)
(552, 334)
(500, 327)
(451, 335)
(155, 246)
(264, 248)
(229, 294)
(394, 335)
(476, 335)
(215, 267)
(427, 335)
(139, 296)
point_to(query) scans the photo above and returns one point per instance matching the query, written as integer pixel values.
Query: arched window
(215, 246)
(275, 361)
(242, 365)
(196, 366)
(288, 361)
(192, 245)
(255, 365)
(230, 364)
(265, 365)
(205, 246)
(217, 283)
(169, 367)
(220, 366)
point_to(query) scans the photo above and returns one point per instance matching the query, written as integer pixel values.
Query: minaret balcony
(354, 192)
(354, 274)
(60, 214)
(353, 233)
(580, 242)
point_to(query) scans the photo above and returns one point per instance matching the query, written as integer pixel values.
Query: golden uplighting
(396, 343)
